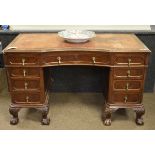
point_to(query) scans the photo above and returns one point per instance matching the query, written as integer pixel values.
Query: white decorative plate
(76, 36)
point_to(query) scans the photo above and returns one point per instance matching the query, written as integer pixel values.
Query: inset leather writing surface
(52, 42)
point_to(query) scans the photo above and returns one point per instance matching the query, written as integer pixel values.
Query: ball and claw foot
(14, 112)
(139, 113)
(14, 121)
(45, 121)
(107, 122)
(107, 115)
(139, 121)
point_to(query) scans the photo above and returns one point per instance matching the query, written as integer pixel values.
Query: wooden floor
(76, 111)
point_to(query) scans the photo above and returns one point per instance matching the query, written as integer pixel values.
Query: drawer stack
(127, 79)
(25, 78)
(126, 85)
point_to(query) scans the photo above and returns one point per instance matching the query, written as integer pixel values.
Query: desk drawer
(126, 98)
(58, 59)
(94, 58)
(21, 59)
(24, 72)
(25, 98)
(72, 58)
(25, 85)
(129, 59)
(129, 73)
(121, 85)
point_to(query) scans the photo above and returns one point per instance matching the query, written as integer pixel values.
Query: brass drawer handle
(127, 86)
(52, 80)
(25, 84)
(128, 73)
(59, 60)
(125, 99)
(129, 62)
(23, 61)
(27, 99)
(94, 60)
(24, 72)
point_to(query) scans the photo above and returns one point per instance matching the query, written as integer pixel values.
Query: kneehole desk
(29, 56)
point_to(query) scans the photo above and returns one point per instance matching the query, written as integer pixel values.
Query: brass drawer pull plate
(127, 86)
(24, 72)
(128, 73)
(125, 99)
(94, 61)
(25, 84)
(59, 60)
(129, 62)
(27, 99)
(23, 61)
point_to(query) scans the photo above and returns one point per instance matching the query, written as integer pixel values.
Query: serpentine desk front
(29, 56)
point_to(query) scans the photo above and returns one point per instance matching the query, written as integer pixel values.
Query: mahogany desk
(28, 58)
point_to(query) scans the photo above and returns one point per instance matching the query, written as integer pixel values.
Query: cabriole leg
(45, 120)
(107, 116)
(140, 111)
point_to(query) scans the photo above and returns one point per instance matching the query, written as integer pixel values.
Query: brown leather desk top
(44, 42)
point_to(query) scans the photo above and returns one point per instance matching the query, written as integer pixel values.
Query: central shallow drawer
(76, 58)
